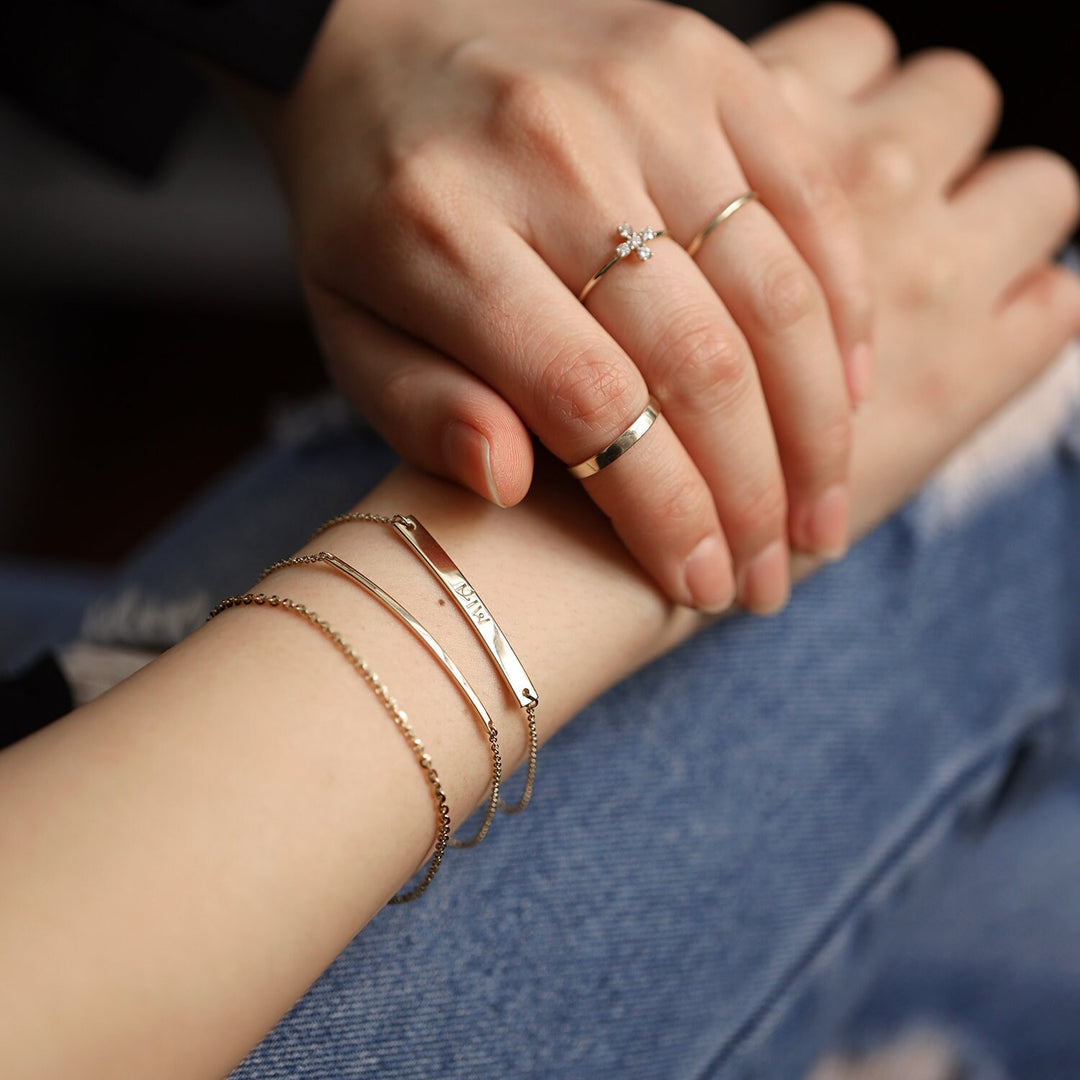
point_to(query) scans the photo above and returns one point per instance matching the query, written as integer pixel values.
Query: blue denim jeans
(786, 836)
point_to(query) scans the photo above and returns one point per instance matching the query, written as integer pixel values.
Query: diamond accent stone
(635, 242)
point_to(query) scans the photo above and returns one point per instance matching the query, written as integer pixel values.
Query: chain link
(344, 519)
(388, 702)
(530, 769)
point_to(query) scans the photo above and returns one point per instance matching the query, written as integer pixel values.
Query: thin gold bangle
(477, 614)
(436, 650)
(389, 703)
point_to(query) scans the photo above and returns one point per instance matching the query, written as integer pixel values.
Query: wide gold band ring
(613, 451)
(633, 243)
(733, 206)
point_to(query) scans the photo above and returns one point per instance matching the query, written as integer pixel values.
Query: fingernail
(489, 476)
(824, 526)
(860, 374)
(464, 445)
(708, 576)
(766, 583)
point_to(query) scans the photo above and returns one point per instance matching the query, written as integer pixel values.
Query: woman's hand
(970, 306)
(165, 857)
(456, 171)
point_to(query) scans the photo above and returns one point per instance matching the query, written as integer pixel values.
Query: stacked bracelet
(479, 617)
(440, 655)
(435, 558)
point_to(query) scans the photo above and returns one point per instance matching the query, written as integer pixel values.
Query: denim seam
(939, 815)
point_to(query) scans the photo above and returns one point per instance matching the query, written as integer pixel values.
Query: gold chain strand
(530, 767)
(396, 713)
(459, 588)
(436, 650)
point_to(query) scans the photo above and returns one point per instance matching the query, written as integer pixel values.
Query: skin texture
(456, 170)
(166, 906)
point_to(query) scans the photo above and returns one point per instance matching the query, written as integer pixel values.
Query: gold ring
(614, 451)
(735, 204)
(633, 243)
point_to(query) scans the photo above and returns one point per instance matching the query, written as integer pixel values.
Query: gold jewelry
(613, 451)
(736, 204)
(440, 655)
(634, 243)
(437, 560)
(397, 714)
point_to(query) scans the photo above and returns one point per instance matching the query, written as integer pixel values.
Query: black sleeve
(31, 699)
(111, 75)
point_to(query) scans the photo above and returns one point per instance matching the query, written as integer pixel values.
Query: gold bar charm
(474, 609)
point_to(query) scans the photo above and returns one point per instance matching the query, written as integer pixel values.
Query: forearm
(188, 853)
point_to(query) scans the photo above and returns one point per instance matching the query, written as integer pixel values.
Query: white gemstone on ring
(635, 242)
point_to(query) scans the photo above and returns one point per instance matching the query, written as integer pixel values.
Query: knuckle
(678, 30)
(398, 392)
(817, 194)
(757, 515)
(683, 504)
(419, 201)
(786, 295)
(883, 168)
(930, 279)
(527, 110)
(536, 118)
(701, 364)
(532, 109)
(618, 77)
(872, 31)
(795, 88)
(590, 392)
(409, 178)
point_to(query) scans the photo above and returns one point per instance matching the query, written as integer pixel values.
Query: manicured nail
(489, 476)
(462, 445)
(766, 583)
(824, 526)
(708, 575)
(860, 374)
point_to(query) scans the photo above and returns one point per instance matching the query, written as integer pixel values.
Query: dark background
(149, 331)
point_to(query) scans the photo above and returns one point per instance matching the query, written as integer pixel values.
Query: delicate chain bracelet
(479, 617)
(437, 651)
(396, 713)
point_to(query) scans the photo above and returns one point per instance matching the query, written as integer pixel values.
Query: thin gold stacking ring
(733, 206)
